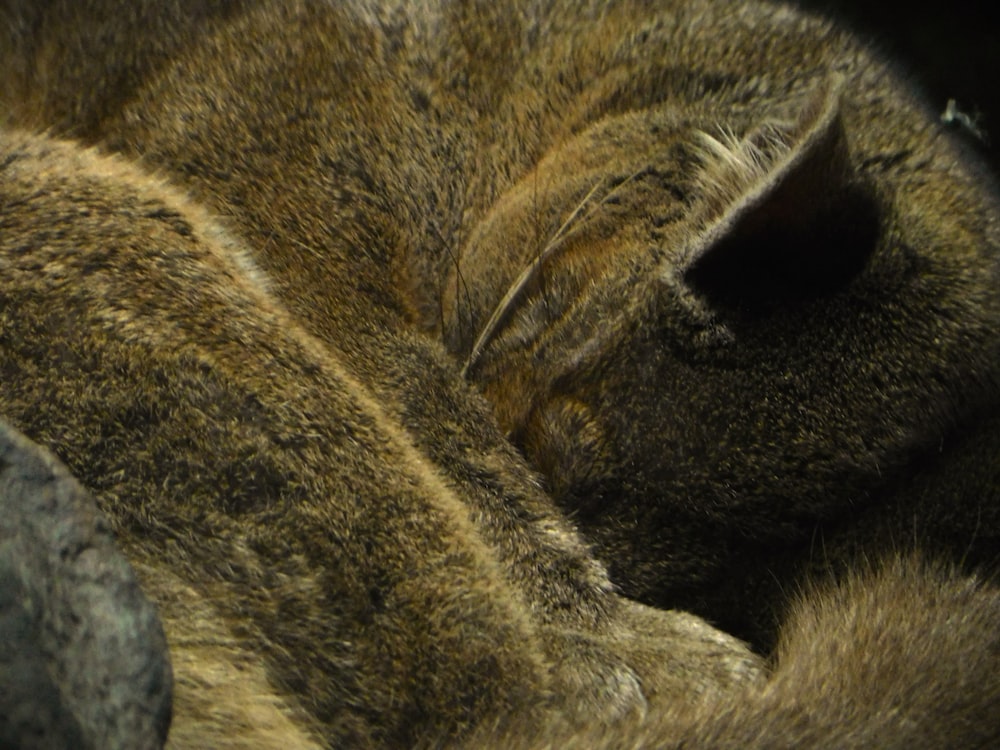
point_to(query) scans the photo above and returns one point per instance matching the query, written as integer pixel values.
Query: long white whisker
(506, 305)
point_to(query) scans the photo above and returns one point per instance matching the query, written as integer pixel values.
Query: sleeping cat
(722, 280)
(761, 339)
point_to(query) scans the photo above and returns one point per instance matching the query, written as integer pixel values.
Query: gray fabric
(83, 658)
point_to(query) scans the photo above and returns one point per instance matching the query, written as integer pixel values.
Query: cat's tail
(903, 656)
(906, 656)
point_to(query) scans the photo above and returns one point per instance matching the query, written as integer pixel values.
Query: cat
(790, 359)
(292, 286)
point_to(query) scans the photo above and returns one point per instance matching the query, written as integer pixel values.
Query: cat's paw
(644, 659)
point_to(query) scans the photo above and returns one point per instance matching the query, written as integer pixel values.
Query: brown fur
(767, 300)
(321, 579)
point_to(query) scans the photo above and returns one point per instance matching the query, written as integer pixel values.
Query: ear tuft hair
(785, 217)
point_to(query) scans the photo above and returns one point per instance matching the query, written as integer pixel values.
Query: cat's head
(712, 333)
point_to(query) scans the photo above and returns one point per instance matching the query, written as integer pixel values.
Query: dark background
(951, 49)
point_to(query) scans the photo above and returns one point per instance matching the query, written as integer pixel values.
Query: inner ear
(799, 226)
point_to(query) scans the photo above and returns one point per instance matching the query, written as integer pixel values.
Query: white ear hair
(731, 165)
(780, 213)
(737, 174)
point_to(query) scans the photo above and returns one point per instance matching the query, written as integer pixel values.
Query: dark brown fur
(345, 547)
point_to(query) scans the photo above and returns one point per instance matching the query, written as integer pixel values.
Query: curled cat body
(441, 365)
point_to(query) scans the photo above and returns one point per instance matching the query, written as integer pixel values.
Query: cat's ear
(785, 216)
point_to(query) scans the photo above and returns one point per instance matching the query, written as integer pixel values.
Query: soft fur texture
(729, 291)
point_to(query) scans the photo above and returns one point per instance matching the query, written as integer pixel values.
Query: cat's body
(344, 546)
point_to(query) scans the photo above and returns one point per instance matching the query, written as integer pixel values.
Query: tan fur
(222, 694)
(721, 279)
